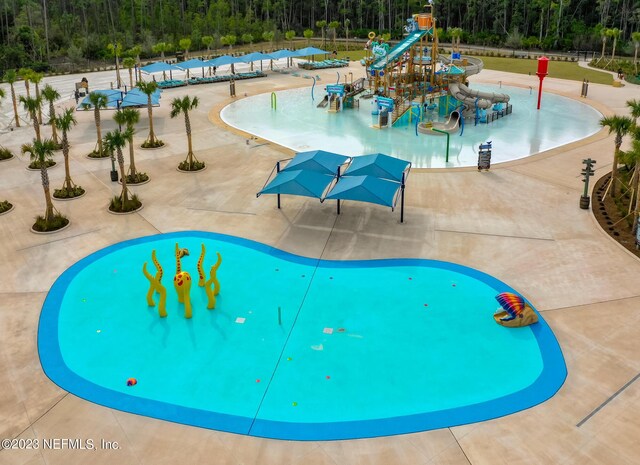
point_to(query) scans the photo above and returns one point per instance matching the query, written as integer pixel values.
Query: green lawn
(557, 69)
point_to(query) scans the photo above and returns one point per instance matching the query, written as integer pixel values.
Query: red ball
(132, 382)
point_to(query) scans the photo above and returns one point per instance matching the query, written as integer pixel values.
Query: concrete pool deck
(520, 222)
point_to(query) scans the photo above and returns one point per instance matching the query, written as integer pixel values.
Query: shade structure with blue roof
(113, 96)
(318, 161)
(283, 54)
(158, 67)
(223, 60)
(309, 51)
(136, 98)
(365, 189)
(255, 56)
(378, 165)
(193, 63)
(298, 182)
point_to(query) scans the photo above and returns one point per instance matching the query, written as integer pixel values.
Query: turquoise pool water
(299, 125)
(364, 348)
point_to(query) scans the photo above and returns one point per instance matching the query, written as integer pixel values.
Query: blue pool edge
(550, 380)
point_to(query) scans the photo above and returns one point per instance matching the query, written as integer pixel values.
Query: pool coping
(549, 381)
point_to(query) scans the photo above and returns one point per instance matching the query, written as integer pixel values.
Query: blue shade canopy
(136, 98)
(317, 161)
(309, 51)
(378, 165)
(283, 54)
(113, 95)
(193, 63)
(223, 60)
(365, 189)
(255, 56)
(304, 183)
(158, 67)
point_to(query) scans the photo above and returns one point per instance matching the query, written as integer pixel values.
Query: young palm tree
(51, 95)
(184, 105)
(97, 101)
(634, 106)
(11, 76)
(322, 24)
(41, 152)
(635, 37)
(621, 125)
(31, 105)
(129, 63)
(65, 122)
(5, 154)
(36, 78)
(129, 117)
(149, 88)
(635, 150)
(25, 74)
(115, 141)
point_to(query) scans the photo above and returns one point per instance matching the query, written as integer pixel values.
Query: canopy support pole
(402, 199)
(277, 171)
(338, 179)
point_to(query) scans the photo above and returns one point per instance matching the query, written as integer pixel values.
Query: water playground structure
(514, 311)
(182, 282)
(412, 83)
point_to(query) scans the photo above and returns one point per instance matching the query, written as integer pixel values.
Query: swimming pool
(363, 348)
(299, 125)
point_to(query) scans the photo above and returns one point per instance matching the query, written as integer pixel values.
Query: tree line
(33, 32)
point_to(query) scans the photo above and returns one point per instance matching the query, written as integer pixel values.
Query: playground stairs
(401, 107)
(333, 105)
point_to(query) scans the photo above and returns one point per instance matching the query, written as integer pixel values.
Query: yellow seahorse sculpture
(212, 293)
(201, 277)
(182, 282)
(155, 284)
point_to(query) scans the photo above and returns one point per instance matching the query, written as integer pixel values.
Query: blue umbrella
(193, 63)
(137, 98)
(283, 54)
(365, 189)
(378, 165)
(309, 51)
(255, 56)
(223, 60)
(113, 95)
(158, 67)
(318, 161)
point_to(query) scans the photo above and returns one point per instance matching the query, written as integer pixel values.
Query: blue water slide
(397, 51)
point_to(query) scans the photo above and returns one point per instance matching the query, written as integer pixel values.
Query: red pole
(540, 90)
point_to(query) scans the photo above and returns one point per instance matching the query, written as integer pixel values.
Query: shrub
(137, 178)
(105, 153)
(5, 206)
(5, 153)
(195, 166)
(133, 204)
(74, 192)
(155, 145)
(58, 221)
(35, 165)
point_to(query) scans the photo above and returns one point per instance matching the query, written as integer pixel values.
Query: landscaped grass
(557, 69)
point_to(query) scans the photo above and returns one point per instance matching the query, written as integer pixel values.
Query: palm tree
(185, 44)
(635, 154)
(604, 35)
(184, 105)
(51, 95)
(129, 117)
(31, 105)
(621, 125)
(25, 74)
(247, 39)
(634, 106)
(129, 63)
(208, 42)
(160, 48)
(5, 154)
(456, 34)
(97, 101)
(635, 37)
(115, 50)
(615, 33)
(36, 78)
(347, 23)
(65, 122)
(334, 25)
(322, 24)
(41, 152)
(11, 76)
(149, 88)
(308, 34)
(134, 52)
(115, 140)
